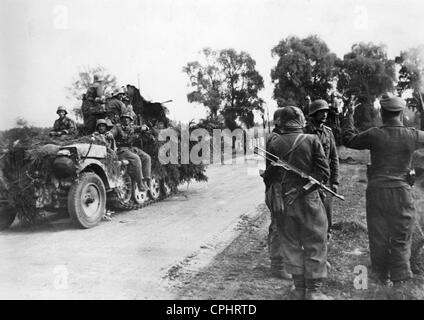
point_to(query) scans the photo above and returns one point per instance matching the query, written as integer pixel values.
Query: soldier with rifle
(302, 167)
(274, 201)
(93, 104)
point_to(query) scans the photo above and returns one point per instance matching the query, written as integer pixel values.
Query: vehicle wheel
(7, 216)
(155, 189)
(167, 190)
(87, 200)
(124, 189)
(140, 197)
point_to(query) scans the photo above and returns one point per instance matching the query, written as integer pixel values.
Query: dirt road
(131, 256)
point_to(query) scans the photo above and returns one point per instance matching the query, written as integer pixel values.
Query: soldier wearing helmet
(127, 137)
(63, 125)
(115, 107)
(274, 202)
(318, 113)
(93, 105)
(303, 224)
(390, 208)
(103, 134)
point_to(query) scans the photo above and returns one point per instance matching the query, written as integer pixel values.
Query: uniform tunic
(325, 135)
(65, 125)
(304, 223)
(389, 203)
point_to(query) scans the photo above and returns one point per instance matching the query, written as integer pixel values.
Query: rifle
(288, 167)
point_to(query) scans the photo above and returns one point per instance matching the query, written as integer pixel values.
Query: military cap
(392, 103)
(318, 105)
(61, 108)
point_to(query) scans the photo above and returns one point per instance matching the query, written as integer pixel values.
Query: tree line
(227, 83)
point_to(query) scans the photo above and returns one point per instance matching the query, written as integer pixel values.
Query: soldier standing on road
(318, 113)
(304, 223)
(274, 201)
(125, 135)
(63, 125)
(389, 203)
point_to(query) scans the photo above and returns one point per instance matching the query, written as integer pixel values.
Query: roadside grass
(242, 270)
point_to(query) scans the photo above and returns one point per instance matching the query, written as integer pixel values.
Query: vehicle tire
(87, 200)
(7, 216)
(140, 197)
(155, 190)
(122, 195)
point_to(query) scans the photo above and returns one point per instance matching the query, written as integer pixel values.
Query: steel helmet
(127, 115)
(118, 91)
(109, 123)
(101, 121)
(318, 105)
(61, 108)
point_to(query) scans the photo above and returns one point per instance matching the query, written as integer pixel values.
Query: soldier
(103, 134)
(63, 125)
(274, 201)
(304, 224)
(318, 113)
(115, 107)
(125, 134)
(389, 204)
(93, 105)
(307, 104)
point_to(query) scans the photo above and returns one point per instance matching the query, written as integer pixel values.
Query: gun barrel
(286, 165)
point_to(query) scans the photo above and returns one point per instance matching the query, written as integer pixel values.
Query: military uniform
(114, 109)
(65, 126)
(126, 137)
(274, 202)
(93, 107)
(304, 223)
(328, 143)
(389, 203)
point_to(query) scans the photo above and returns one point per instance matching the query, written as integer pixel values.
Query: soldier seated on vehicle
(104, 135)
(63, 125)
(126, 135)
(114, 106)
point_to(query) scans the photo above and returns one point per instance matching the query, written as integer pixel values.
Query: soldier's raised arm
(351, 137)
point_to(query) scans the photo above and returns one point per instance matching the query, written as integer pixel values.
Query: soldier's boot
(297, 291)
(278, 270)
(147, 182)
(142, 186)
(313, 290)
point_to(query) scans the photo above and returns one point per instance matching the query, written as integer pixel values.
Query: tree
(227, 83)
(85, 78)
(366, 72)
(305, 67)
(411, 79)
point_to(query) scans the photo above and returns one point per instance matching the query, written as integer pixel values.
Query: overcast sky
(44, 42)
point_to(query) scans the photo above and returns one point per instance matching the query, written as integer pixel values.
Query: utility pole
(138, 80)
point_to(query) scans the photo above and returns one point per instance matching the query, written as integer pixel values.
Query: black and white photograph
(228, 151)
